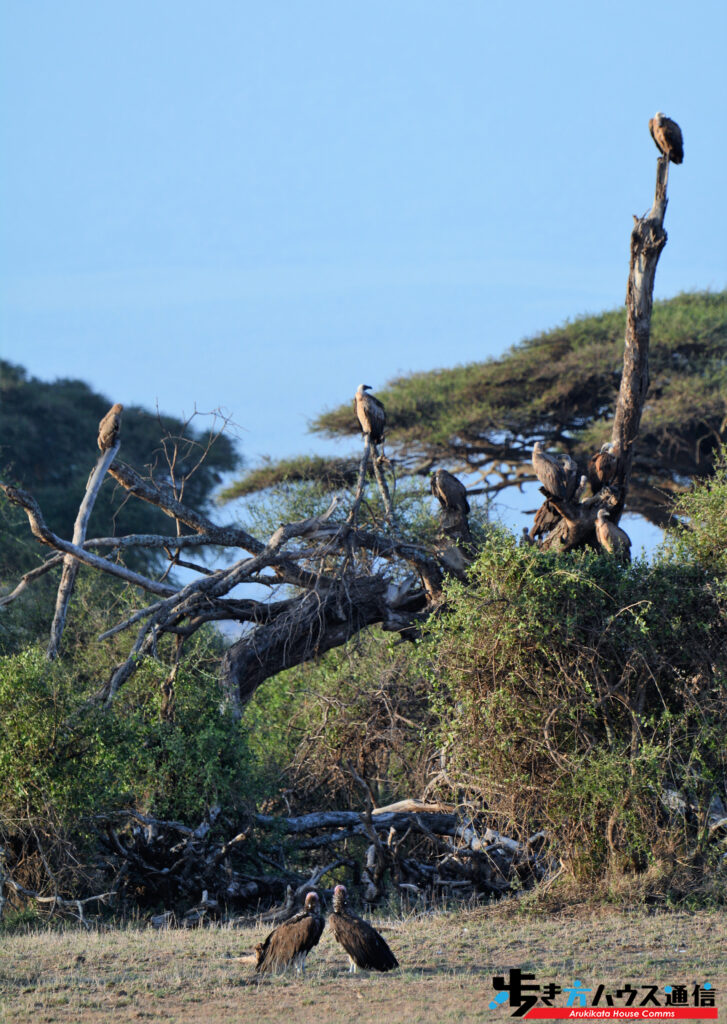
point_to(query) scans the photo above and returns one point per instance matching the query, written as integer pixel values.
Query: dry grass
(447, 965)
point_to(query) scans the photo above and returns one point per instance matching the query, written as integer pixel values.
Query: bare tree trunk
(648, 238)
(70, 564)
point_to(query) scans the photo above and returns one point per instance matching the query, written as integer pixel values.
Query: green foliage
(48, 446)
(583, 693)
(363, 707)
(703, 537)
(330, 474)
(65, 758)
(561, 386)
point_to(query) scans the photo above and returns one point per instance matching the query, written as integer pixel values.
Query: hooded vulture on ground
(365, 947)
(602, 468)
(109, 427)
(668, 137)
(611, 537)
(292, 941)
(558, 474)
(370, 413)
(449, 491)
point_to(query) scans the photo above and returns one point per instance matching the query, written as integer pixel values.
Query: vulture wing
(550, 473)
(364, 945)
(298, 935)
(449, 491)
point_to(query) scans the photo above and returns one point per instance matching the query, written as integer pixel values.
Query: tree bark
(648, 238)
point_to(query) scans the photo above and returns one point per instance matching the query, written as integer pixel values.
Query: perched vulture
(571, 474)
(558, 474)
(602, 468)
(611, 537)
(109, 427)
(668, 137)
(292, 941)
(371, 414)
(365, 947)
(449, 491)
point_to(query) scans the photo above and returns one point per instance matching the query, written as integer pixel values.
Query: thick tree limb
(70, 564)
(46, 536)
(648, 238)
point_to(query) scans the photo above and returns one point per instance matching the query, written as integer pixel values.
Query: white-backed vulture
(109, 427)
(370, 413)
(668, 137)
(602, 468)
(611, 537)
(365, 947)
(292, 940)
(571, 475)
(557, 473)
(450, 492)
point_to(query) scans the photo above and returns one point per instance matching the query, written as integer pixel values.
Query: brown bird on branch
(109, 427)
(602, 468)
(668, 137)
(450, 492)
(557, 473)
(365, 947)
(611, 537)
(292, 941)
(370, 413)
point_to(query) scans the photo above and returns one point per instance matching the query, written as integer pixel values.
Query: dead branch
(70, 564)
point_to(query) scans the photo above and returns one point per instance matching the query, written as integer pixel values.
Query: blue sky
(258, 206)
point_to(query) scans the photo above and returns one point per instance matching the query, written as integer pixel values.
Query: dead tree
(648, 237)
(344, 577)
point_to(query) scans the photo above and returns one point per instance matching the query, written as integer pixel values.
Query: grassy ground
(448, 961)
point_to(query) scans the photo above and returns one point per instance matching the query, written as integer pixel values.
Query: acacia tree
(342, 573)
(560, 387)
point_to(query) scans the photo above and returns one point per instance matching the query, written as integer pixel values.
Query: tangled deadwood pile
(424, 853)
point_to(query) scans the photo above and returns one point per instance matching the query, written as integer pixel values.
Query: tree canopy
(560, 386)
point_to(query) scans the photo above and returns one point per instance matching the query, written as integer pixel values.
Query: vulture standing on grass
(365, 947)
(668, 137)
(611, 537)
(449, 491)
(109, 427)
(292, 941)
(370, 413)
(602, 468)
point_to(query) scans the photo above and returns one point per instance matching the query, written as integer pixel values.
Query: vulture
(611, 537)
(365, 947)
(292, 941)
(371, 414)
(109, 427)
(668, 137)
(449, 491)
(558, 474)
(602, 468)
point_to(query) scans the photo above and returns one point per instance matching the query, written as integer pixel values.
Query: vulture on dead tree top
(558, 474)
(611, 537)
(370, 413)
(109, 427)
(668, 137)
(602, 468)
(449, 491)
(292, 940)
(365, 947)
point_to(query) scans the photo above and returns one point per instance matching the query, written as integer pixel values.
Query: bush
(584, 694)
